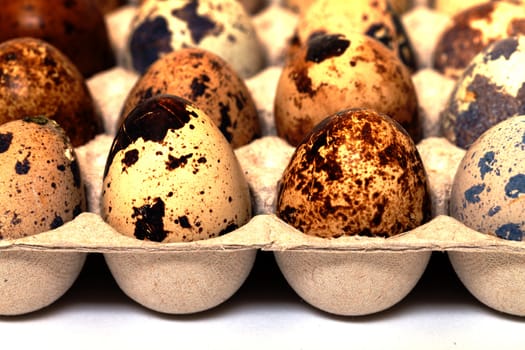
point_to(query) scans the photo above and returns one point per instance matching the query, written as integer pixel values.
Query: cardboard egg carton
(345, 276)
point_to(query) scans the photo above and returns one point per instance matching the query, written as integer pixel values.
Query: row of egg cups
(345, 276)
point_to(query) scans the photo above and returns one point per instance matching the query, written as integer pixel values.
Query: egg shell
(374, 18)
(220, 26)
(301, 6)
(357, 173)
(77, 28)
(489, 186)
(210, 83)
(38, 80)
(40, 184)
(474, 28)
(171, 175)
(253, 6)
(335, 72)
(491, 89)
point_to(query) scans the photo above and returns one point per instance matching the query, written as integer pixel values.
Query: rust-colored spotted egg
(474, 28)
(40, 183)
(37, 79)
(357, 173)
(77, 28)
(210, 83)
(171, 176)
(333, 72)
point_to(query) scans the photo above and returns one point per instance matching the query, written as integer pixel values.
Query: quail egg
(77, 28)
(471, 30)
(40, 183)
(220, 26)
(370, 17)
(172, 176)
(488, 191)
(491, 89)
(333, 72)
(210, 83)
(357, 173)
(37, 79)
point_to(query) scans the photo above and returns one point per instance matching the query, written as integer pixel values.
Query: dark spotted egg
(357, 173)
(374, 18)
(333, 72)
(38, 79)
(40, 183)
(488, 192)
(210, 83)
(491, 89)
(220, 26)
(474, 28)
(172, 176)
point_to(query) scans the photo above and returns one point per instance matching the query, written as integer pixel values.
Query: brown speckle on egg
(38, 80)
(357, 173)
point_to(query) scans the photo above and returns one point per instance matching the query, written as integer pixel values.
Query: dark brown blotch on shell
(151, 120)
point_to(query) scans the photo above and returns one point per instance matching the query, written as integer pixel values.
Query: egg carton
(345, 276)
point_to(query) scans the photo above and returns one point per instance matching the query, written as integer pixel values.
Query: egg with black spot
(210, 83)
(473, 29)
(220, 26)
(38, 79)
(373, 18)
(333, 72)
(357, 173)
(488, 191)
(171, 176)
(491, 89)
(41, 187)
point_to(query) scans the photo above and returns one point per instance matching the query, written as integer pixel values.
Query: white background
(264, 314)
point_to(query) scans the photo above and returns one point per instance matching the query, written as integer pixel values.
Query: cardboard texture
(345, 276)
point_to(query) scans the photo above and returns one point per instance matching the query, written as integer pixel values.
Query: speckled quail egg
(357, 173)
(77, 28)
(172, 176)
(471, 30)
(333, 72)
(220, 26)
(371, 17)
(488, 191)
(210, 83)
(40, 183)
(491, 89)
(299, 6)
(37, 79)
